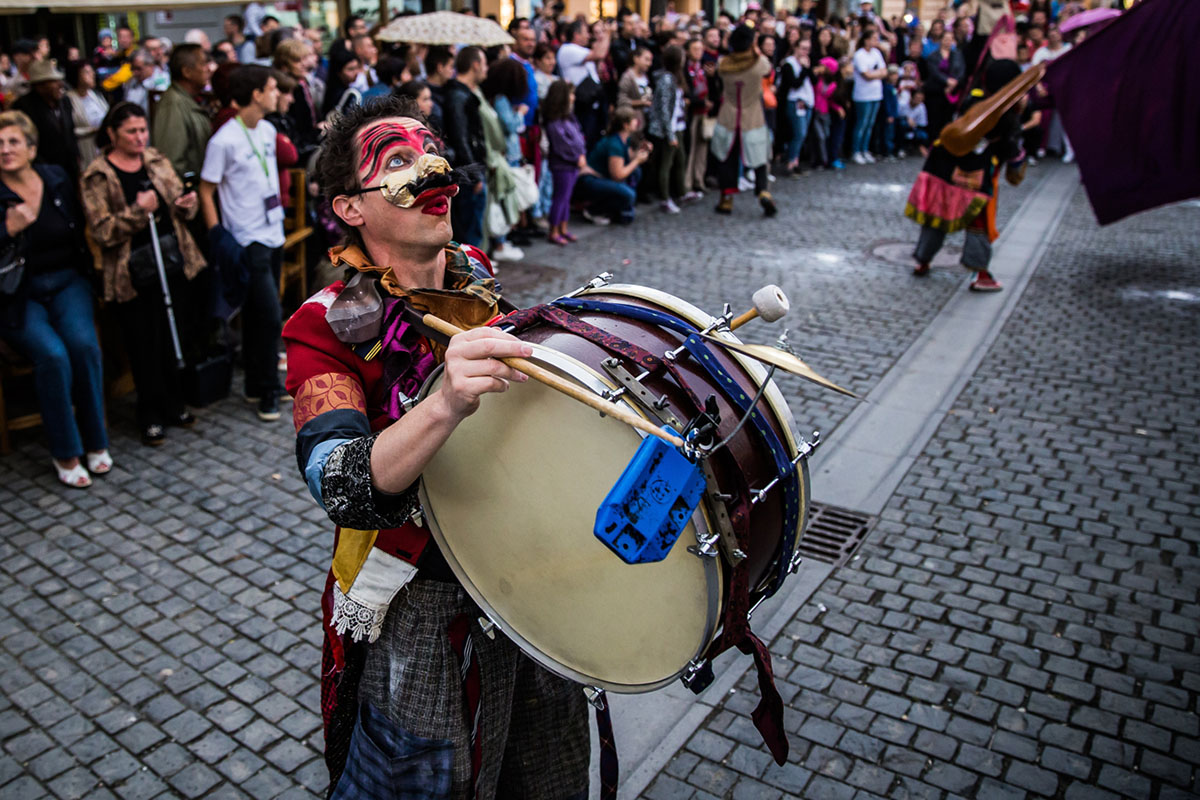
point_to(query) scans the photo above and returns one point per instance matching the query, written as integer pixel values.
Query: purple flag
(1129, 96)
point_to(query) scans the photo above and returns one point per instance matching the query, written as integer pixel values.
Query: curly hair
(337, 164)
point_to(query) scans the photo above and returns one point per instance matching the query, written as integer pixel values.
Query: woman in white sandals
(46, 302)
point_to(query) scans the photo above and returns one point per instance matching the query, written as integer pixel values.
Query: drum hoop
(701, 319)
(589, 378)
(774, 397)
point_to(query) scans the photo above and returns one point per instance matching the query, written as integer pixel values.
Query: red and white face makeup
(402, 154)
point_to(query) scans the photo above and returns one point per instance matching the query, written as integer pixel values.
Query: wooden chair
(294, 269)
(13, 366)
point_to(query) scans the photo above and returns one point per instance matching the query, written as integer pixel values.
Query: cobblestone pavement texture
(160, 631)
(1023, 620)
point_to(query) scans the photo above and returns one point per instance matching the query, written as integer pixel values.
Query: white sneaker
(692, 197)
(770, 178)
(669, 206)
(857, 158)
(1069, 158)
(870, 159)
(745, 184)
(595, 219)
(507, 252)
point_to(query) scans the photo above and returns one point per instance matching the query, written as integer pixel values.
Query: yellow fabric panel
(353, 547)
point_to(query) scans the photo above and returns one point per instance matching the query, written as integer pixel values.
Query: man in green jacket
(181, 126)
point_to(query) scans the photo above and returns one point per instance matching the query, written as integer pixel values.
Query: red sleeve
(324, 374)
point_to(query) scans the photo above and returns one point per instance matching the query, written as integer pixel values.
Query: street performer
(954, 193)
(418, 701)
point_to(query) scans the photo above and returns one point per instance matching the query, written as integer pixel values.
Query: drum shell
(743, 463)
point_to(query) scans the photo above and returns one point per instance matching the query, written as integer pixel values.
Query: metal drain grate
(833, 534)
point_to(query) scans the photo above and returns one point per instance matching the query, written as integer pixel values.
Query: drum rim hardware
(806, 449)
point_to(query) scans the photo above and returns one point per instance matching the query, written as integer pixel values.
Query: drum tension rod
(598, 282)
(806, 449)
(595, 696)
(697, 675)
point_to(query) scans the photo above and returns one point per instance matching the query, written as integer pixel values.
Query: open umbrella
(444, 27)
(1086, 18)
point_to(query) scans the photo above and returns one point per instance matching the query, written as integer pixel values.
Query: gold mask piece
(397, 186)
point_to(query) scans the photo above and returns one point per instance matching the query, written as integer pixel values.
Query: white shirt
(866, 90)
(1044, 53)
(366, 79)
(234, 161)
(918, 117)
(574, 66)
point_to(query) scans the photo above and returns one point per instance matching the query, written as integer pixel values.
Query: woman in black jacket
(944, 70)
(49, 314)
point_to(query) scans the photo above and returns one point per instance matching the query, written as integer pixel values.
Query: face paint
(376, 142)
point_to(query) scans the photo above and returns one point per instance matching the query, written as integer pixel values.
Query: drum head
(511, 499)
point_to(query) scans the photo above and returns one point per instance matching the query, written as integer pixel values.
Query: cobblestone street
(1021, 622)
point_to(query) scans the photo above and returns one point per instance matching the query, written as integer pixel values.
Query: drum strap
(609, 768)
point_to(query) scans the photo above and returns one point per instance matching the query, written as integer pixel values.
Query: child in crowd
(667, 124)
(917, 120)
(826, 74)
(891, 110)
(567, 155)
(839, 102)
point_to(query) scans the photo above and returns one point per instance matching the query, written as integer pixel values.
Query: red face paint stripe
(375, 143)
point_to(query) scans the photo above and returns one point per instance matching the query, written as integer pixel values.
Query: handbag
(526, 186)
(12, 265)
(143, 269)
(497, 222)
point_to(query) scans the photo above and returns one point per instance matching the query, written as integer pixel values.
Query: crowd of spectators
(577, 116)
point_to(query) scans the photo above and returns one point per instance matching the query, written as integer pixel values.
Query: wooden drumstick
(545, 376)
(770, 303)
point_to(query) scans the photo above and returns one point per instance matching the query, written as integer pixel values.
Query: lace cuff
(351, 499)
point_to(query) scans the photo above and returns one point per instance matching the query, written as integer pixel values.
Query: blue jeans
(800, 124)
(59, 337)
(864, 122)
(608, 198)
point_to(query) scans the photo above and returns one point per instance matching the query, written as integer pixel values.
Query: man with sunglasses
(407, 669)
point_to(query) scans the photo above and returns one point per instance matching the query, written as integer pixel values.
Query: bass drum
(511, 500)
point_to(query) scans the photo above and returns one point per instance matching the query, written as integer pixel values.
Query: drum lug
(806, 450)
(706, 547)
(488, 627)
(598, 282)
(596, 697)
(418, 516)
(717, 500)
(697, 675)
(638, 392)
(794, 564)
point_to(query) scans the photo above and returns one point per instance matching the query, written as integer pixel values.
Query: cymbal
(779, 358)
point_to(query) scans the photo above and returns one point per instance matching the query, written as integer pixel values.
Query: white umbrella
(444, 27)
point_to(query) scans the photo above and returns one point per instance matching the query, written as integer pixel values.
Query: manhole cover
(901, 253)
(833, 534)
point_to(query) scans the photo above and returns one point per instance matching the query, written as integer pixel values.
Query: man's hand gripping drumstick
(523, 367)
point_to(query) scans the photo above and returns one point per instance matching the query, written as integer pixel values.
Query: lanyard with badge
(271, 203)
